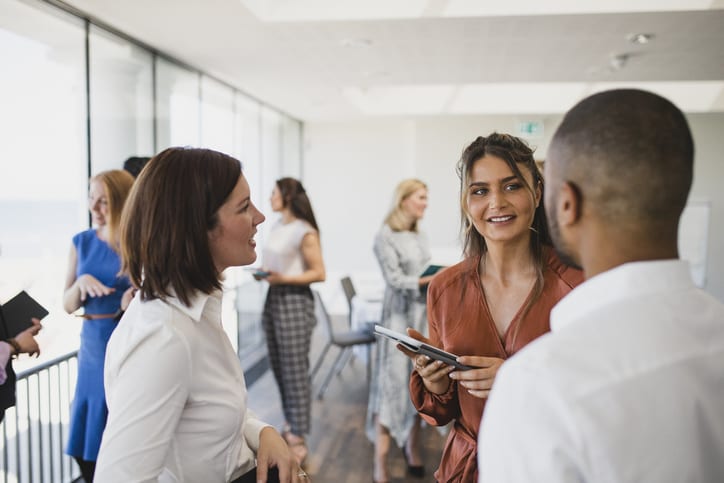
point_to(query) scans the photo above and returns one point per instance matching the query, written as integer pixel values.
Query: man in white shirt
(629, 385)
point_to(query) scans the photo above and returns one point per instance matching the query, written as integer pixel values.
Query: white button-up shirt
(629, 387)
(176, 397)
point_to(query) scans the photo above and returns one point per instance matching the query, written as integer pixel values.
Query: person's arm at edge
(6, 351)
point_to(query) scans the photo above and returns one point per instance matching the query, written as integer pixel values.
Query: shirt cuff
(252, 430)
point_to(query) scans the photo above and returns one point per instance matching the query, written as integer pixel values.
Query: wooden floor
(339, 451)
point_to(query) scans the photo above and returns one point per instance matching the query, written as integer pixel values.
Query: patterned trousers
(288, 322)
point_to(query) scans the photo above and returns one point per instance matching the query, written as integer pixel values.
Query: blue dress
(88, 412)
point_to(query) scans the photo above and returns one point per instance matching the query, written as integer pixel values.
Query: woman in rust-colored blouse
(494, 302)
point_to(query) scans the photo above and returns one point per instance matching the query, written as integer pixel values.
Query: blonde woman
(93, 283)
(403, 253)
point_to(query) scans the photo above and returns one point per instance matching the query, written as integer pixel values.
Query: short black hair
(631, 154)
(135, 164)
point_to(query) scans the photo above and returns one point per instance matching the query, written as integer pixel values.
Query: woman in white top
(292, 261)
(176, 395)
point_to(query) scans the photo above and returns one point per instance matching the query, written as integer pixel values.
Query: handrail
(34, 431)
(47, 364)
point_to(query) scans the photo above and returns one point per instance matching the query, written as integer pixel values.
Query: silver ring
(302, 474)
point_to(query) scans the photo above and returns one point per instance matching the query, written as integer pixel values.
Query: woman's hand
(274, 451)
(434, 374)
(275, 278)
(90, 286)
(478, 382)
(26, 339)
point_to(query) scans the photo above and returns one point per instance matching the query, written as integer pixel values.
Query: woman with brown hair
(176, 394)
(495, 301)
(93, 282)
(292, 261)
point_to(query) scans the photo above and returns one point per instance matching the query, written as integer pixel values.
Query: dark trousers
(250, 476)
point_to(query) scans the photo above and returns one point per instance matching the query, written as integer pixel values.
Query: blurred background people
(176, 393)
(495, 301)
(292, 261)
(94, 284)
(403, 254)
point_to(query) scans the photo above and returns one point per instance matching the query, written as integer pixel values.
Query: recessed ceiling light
(356, 43)
(640, 38)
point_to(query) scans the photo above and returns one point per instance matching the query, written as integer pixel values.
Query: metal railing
(34, 432)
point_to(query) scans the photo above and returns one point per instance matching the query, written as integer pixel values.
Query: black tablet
(18, 311)
(420, 347)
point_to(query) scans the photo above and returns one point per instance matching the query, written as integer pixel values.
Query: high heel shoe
(416, 471)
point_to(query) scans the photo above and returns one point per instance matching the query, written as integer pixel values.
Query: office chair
(344, 340)
(349, 293)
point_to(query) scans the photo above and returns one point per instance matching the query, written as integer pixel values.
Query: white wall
(351, 169)
(708, 130)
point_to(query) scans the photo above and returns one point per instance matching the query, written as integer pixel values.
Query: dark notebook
(18, 311)
(430, 270)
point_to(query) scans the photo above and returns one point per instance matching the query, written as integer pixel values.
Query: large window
(217, 116)
(121, 100)
(55, 137)
(178, 115)
(43, 173)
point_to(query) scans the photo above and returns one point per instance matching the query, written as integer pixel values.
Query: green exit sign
(530, 129)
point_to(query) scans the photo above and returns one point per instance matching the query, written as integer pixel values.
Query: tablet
(420, 347)
(18, 311)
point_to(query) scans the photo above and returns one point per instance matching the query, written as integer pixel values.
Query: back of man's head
(630, 153)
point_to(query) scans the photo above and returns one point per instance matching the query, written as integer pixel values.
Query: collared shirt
(176, 397)
(629, 386)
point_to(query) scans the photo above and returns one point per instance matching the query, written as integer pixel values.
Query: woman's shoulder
(568, 275)
(147, 329)
(85, 234)
(303, 226)
(153, 319)
(452, 278)
(85, 238)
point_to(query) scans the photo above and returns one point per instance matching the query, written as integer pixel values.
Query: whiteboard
(693, 235)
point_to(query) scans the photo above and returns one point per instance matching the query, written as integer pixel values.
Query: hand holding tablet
(415, 345)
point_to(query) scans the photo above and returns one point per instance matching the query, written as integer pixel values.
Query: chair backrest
(349, 291)
(322, 315)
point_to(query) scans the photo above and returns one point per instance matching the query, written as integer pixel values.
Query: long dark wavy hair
(519, 156)
(295, 198)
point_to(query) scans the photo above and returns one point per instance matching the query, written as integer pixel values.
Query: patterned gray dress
(403, 256)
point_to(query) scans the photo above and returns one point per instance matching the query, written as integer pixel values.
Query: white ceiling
(322, 60)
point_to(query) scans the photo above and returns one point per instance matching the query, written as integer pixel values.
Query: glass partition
(68, 113)
(217, 116)
(44, 168)
(121, 100)
(178, 110)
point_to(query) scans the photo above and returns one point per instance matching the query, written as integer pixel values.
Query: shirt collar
(626, 281)
(198, 301)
